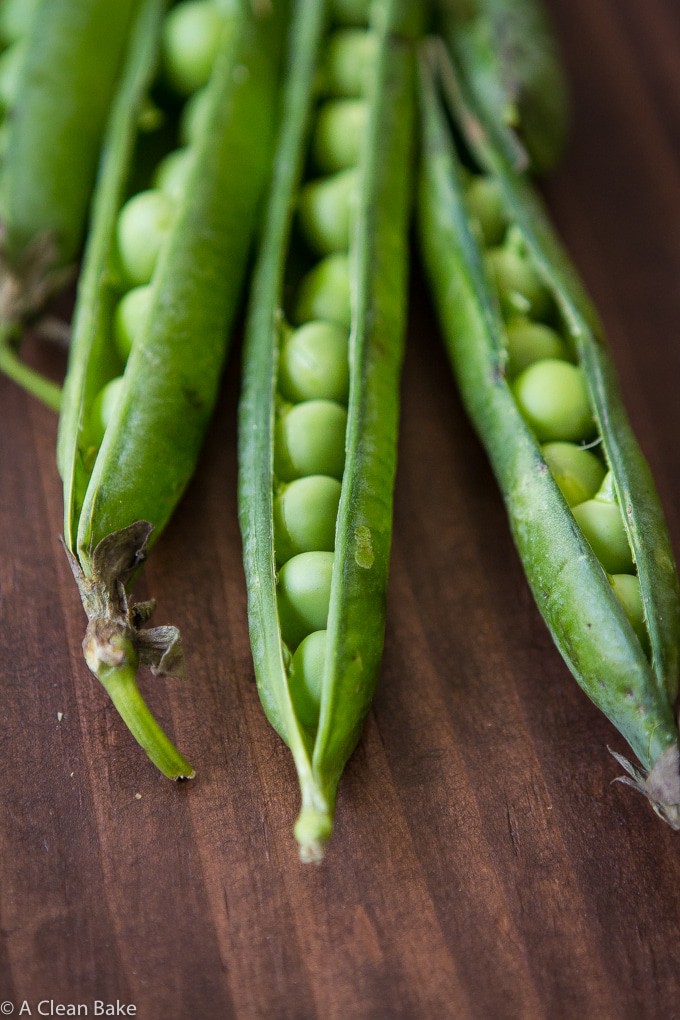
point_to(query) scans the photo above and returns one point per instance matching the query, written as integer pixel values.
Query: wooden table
(483, 864)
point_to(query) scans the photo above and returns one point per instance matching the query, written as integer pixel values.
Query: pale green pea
(314, 363)
(129, 318)
(519, 287)
(578, 472)
(143, 224)
(485, 201)
(101, 411)
(173, 171)
(602, 525)
(324, 293)
(553, 400)
(310, 440)
(306, 678)
(191, 41)
(15, 18)
(339, 134)
(304, 591)
(532, 341)
(327, 209)
(194, 117)
(626, 587)
(350, 60)
(305, 514)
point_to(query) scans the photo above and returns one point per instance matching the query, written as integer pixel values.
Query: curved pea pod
(377, 267)
(509, 58)
(636, 690)
(119, 497)
(66, 77)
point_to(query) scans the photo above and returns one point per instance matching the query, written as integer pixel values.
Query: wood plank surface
(483, 863)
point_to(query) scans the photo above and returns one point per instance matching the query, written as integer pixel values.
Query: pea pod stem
(33, 382)
(118, 677)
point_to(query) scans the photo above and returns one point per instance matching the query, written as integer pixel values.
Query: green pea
(310, 440)
(339, 134)
(305, 513)
(306, 678)
(327, 211)
(626, 587)
(314, 363)
(602, 525)
(15, 19)
(173, 171)
(519, 287)
(102, 410)
(191, 40)
(324, 293)
(578, 472)
(304, 592)
(143, 225)
(485, 200)
(10, 69)
(532, 341)
(194, 117)
(129, 318)
(350, 60)
(349, 12)
(553, 400)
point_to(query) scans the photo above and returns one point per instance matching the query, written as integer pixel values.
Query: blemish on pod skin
(363, 553)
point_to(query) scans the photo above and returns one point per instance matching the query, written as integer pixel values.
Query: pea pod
(68, 61)
(509, 58)
(336, 664)
(634, 682)
(121, 482)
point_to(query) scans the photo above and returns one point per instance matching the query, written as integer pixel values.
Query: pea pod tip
(312, 831)
(661, 785)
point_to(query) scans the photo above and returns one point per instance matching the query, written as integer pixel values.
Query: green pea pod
(118, 497)
(571, 589)
(509, 58)
(71, 58)
(64, 90)
(377, 260)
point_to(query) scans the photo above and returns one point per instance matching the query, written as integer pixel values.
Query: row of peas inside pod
(551, 394)
(192, 36)
(313, 375)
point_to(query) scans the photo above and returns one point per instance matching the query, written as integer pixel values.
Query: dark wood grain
(483, 863)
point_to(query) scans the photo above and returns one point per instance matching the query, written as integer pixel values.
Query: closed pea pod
(317, 625)
(120, 493)
(68, 60)
(619, 638)
(509, 60)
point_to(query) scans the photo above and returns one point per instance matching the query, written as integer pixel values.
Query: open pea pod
(59, 76)
(358, 288)
(627, 662)
(124, 475)
(508, 56)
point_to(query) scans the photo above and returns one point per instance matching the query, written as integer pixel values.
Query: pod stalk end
(112, 658)
(116, 641)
